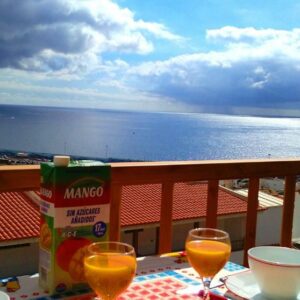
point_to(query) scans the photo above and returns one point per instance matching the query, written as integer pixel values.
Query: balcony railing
(14, 178)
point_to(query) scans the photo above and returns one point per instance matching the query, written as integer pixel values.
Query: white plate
(3, 296)
(245, 286)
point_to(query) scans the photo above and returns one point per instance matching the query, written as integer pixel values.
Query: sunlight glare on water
(147, 136)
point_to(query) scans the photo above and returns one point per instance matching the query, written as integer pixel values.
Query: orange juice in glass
(208, 250)
(109, 268)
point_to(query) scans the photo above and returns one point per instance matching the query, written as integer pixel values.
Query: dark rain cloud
(263, 72)
(28, 27)
(51, 34)
(217, 89)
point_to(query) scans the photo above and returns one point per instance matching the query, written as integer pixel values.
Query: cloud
(70, 35)
(251, 43)
(253, 68)
(158, 30)
(250, 68)
(231, 33)
(102, 88)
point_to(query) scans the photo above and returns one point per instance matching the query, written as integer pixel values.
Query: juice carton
(74, 213)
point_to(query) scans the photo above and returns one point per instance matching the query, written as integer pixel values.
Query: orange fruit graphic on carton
(69, 256)
(45, 236)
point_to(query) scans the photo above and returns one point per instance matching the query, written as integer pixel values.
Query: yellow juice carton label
(74, 213)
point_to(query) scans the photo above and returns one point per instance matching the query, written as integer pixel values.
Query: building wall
(275, 184)
(147, 238)
(19, 260)
(237, 257)
(268, 233)
(180, 233)
(296, 220)
(269, 226)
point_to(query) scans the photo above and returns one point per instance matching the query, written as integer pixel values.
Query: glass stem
(206, 283)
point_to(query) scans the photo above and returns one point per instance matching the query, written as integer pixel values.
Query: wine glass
(109, 268)
(207, 250)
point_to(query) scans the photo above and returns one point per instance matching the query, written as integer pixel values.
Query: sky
(215, 56)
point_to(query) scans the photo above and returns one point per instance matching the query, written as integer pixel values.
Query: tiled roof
(141, 203)
(19, 217)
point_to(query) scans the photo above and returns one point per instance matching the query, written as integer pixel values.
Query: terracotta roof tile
(19, 217)
(141, 203)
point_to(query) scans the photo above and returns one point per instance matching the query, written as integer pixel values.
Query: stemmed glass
(207, 250)
(109, 268)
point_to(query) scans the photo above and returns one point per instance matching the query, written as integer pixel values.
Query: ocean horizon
(148, 136)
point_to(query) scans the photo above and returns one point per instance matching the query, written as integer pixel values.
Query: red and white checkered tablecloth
(166, 277)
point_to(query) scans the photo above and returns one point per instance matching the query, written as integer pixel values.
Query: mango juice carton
(74, 213)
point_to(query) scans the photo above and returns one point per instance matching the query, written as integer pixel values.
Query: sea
(146, 136)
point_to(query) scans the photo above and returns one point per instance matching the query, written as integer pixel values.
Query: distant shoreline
(9, 157)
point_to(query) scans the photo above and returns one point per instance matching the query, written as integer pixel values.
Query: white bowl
(277, 271)
(3, 296)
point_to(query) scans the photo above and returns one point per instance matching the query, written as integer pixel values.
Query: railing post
(115, 212)
(166, 210)
(288, 211)
(212, 203)
(251, 220)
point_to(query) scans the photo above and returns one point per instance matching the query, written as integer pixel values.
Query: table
(167, 277)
